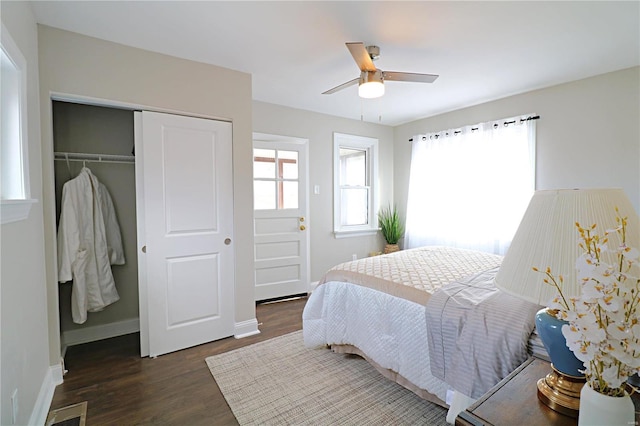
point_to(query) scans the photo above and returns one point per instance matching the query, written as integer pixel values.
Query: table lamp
(548, 237)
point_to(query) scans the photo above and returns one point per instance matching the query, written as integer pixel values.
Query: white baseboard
(246, 328)
(57, 372)
(313, 286)
(45, 396)
(99, 332)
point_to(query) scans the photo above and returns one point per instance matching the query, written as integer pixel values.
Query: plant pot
(598, 409)
(391, 248)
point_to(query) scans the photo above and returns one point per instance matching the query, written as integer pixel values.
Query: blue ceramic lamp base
(560, 389)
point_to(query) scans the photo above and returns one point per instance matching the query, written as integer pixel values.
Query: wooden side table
(515, 401)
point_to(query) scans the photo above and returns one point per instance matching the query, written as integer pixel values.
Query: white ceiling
(295, 50)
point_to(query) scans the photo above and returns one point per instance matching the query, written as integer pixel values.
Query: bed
(428, 318)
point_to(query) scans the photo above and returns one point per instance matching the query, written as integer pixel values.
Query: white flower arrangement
(603, 329)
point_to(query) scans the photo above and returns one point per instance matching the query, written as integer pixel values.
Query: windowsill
(15, 210)
(358, 233)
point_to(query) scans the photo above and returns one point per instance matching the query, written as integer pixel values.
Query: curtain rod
(506, 123)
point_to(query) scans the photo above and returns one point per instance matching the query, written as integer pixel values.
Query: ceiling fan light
(371, 84)
(372, 89)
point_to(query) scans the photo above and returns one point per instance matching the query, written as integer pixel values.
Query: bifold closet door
(185, 210)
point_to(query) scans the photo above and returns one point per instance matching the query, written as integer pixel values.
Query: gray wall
(24, 356)
(100, 130)
(588, 134)
(326, 250)
(93, 70)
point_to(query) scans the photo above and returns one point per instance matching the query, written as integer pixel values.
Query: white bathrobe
(89, 242)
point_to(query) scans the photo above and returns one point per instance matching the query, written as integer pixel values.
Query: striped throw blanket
(477, 334)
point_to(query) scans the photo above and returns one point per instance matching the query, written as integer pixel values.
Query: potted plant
(391, 227)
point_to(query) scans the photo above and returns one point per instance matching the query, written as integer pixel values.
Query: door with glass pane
(281, 222)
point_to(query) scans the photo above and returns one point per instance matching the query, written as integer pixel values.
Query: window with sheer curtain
(469, 187)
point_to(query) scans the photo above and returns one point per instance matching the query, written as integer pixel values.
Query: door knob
(302, 227)
(227, 241)
(144, 249)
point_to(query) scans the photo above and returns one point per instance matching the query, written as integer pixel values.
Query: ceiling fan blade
(342, 86)
(361, 56)
(409, 76)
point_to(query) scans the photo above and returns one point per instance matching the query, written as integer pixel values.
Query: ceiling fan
(371, 80)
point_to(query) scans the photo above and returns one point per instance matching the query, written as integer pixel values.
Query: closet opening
(100, 139)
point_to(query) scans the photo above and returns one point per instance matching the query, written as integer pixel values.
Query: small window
(355, 195)
(275, 179)
(14, 186)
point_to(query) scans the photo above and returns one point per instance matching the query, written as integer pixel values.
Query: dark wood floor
(174, 389)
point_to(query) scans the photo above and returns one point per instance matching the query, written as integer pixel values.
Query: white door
(281, 221)
(187, 287)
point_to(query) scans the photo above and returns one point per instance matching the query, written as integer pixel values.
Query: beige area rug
(280, 382)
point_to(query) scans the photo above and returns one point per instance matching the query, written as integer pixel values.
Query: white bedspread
(390, 330)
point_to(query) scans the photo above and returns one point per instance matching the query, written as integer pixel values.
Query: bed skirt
(390, 374)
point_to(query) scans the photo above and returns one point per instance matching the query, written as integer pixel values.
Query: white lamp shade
(548, 237)
(371, 84)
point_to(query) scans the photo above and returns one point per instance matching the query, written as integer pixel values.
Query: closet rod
(99, 158)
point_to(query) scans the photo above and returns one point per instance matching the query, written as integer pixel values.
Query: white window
(355, 172)
(14, 177)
